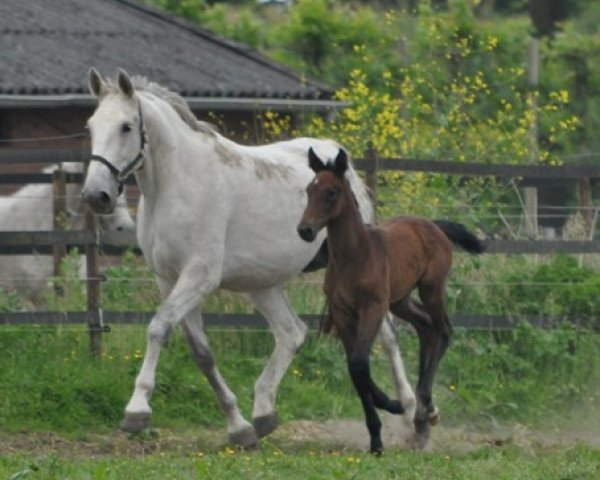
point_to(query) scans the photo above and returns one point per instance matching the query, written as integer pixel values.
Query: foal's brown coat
(374, 269)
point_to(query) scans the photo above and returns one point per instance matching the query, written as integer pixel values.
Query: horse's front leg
(289, 332)
(193, 284)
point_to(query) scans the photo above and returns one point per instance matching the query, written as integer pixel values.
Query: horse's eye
(331, 194)
(125, 128)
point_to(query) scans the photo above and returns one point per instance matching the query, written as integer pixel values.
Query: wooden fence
(59, 241)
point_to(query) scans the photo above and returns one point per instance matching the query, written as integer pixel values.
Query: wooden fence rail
(59, 241)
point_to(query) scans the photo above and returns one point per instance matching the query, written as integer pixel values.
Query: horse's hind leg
(404, 390)
(432, 344)
(289, 332)
(239, 430)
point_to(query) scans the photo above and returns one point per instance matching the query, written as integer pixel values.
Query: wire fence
(94, 242)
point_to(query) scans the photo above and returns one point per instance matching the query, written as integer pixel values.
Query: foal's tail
(459, 235)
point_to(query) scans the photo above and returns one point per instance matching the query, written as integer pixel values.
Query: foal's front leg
(358, 344)
(193, 284)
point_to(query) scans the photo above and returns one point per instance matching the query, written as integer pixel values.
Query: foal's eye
(331, 194)
(125, 128)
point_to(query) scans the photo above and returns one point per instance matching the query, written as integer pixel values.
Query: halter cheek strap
(135, 164)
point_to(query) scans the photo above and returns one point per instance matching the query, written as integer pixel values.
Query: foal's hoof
(376, 448)
(434, 416)
(265, 424)
(245, 438)
(135, 422)
(421, 437)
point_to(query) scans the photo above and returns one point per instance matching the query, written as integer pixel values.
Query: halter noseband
(121, 175)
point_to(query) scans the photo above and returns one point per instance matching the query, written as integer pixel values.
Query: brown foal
(374, 269)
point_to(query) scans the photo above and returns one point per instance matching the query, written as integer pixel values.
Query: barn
(48, 47)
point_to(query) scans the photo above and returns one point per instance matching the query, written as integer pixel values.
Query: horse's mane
(175, 100)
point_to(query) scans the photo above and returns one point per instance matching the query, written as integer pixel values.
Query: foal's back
(418, 251)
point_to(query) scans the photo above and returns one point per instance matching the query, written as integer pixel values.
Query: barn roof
(48, 46)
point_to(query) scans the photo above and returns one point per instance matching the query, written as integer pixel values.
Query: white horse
(213, 214)
(30, 209)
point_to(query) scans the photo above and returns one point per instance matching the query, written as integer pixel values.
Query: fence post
(94, 311)
(371, 171)
(59, 218)
(584, 200)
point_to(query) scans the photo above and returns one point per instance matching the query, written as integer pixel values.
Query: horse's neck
(347, 235)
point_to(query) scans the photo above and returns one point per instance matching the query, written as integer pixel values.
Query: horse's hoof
(135, 422)
(245, 438)
(434, 416)
(265, 424)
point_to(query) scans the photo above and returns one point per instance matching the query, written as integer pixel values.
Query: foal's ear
(124, 83)
(340, 164)
(314, 162)
(95, 83)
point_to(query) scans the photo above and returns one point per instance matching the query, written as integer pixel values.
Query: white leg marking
(406, 395)
(289, 332)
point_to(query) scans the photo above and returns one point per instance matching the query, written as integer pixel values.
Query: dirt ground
(330, 435)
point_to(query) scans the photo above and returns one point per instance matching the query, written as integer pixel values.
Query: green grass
(50, 382)
(510, 463)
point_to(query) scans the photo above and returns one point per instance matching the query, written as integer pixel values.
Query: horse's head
(118, 140)
(118, 220)
(325, 199)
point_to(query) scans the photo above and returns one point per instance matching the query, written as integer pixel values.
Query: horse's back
(417, 249)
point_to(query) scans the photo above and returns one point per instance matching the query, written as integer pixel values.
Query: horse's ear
(314, 162)
(340, 164)
(95, 83)
(124, 83)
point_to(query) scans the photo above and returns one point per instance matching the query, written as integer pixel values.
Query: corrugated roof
(47, 47)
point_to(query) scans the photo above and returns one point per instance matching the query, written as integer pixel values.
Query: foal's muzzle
(306, 232)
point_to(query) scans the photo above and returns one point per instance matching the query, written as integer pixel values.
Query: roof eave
(248, 104)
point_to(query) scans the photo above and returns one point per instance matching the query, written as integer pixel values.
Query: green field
(509, 463)
(518, 404)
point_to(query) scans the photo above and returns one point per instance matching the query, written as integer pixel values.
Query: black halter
(121, 175)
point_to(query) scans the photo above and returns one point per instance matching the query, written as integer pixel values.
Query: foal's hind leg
(404, 390)
(239, 430)
(289, 332)
(432, 345)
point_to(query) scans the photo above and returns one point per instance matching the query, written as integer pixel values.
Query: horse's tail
(459, 235)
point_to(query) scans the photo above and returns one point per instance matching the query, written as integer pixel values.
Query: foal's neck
(347, 235)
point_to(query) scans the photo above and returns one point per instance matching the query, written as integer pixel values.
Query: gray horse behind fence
(30, 209)
(213, 214)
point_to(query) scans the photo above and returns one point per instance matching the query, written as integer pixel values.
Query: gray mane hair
(174, 99)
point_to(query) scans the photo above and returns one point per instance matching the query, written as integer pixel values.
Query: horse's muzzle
(306, 232)
(99, 201)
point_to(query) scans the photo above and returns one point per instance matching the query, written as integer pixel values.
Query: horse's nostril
(104, 198)
(306, 233)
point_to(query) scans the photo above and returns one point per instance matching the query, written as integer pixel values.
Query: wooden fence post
(59, 218)
(371, 171)
(94, 311)
(584, 201)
